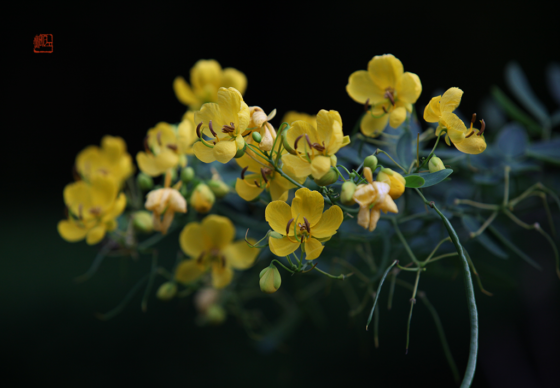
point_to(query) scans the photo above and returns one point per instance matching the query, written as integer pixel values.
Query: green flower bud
(241, 146)
(187, 174)
(219, 188)
(145, 182)
(167, 291)
(371, 162)
(275, 234)
(215, 314)
(143, 221)
(270, 279)
(435, 164)
(328, 179)
(347, 192)
(202, 198)
(257, 137)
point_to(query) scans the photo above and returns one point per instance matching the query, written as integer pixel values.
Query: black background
(111, 72)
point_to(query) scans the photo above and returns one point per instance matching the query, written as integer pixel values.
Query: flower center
(390, 94)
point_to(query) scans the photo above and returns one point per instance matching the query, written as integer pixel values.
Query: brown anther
(232, 125)
(198, 130)
(257, 183)
(469, 135)
(308, 140)
(243, 172)
(80, 215)
(95, 210)
(318, 147)
(223, 260)
(295, 142)
(383, 107)
(389, 95)
(482, 127)
(228, 129)
(473, 119)
(172, 147)
(200, 257)
(263, 173)
(158, 136)
(366, 105)
(307, 226)
(212, 128)
(288, 226)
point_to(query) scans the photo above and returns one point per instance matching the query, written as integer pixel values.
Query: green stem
(405, 244)
(412, 303)
(432, 152)
(389, 156)
(153, 273)
(435, 250)
(282, 265)
(378, 291)
(341, 276)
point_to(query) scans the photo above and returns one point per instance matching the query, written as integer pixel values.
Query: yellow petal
(95, 234)
(183, 92)
(147, 164)
(219, 230)
(113, 147)
(295, 166)
(385, 71)
(456, 129)
(206, 73)
(116, 210)
(186, 136)
(451, 99)
(397, 117)
(373, 219)
(388, 205)
(432, 113)
(409, 88)
(224, 151)
(372, 126)
(188, 270)
(329, 130)
(277, 214)
(229, 101)
(235, 79)
(283, 246)
(165, 160)
(308, 204)
(70, 231)
(329, 223)
(363, 217)
(364, 195)
(361, 88)
(313, 249)
(345, 141)
(203, 153)
(221, 276)
(320, 166)
(239, 255)
(278, 192)
(247, 191)
(301, 128)
(472, 145)
(193, 240)
(210, 112)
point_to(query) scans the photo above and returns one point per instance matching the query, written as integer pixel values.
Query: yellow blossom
(440, 109)
(373, 197)
(306, 219)
(224, 123)
(315, 147)
(210, 246)
(165, 201)
(202, 198)
(93, 208)
(292, 116)
(166, 147)
(390, 92)
(395, 181)
(110, 160)
(259, 120)
(207, 77)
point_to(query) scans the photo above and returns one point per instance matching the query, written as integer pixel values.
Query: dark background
(111, 73)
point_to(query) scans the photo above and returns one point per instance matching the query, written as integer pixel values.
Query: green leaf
(414, 181)
(519, 86)
(548, 151)
(404, 149)
(429, 178)
(472, 225)
(515, 112)
(512, 140)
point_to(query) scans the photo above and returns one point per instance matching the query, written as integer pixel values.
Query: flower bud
(435, 164)
(215, 314)
(145, 182)
(167, 291)
(270, 279)
(218, 187)
(187, 174)
(241, 146)
(395, 181)
(371, 162)
(328, 179)
(202, 198)
(257, 137)
(347, 192)
(143, 221)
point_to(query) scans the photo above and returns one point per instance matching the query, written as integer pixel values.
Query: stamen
(243, 172)
(257, 183)
(228, 129)
(473, 120)
(482, 127)
(469, 135)
(200, 257)
(389, 95)
(308, 141)
(80, 215)
(232, 125)
(383, 107)
(223, 259)
(263, 173)
(288, 226)
(366, 105)
(159, 138)
(198, 129)
(307, 226)
(95, 210)
(318, 147)
(212, 128)
(297, 139)
(172, 147)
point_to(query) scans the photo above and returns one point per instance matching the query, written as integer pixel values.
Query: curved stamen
(263, 173)
(473, 119)
(318, 147)
(243, 172)
(200, 257)
(257, 183)
(482, 127)
(172, 147)
(383, 107)
(366, 105)
(308, 140)
(288, 226)
(159, 138)
(198, 130)
(297, 139)
(307, 226)
(212, 128)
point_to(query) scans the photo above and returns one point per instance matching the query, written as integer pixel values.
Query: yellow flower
(225, 123)
(388, 90)
(202, 198)
(373, 198)
(307, 219)
(207, 77)
(395, 181)
(259, 120)
(440, 109)
(110, 160)
(315, 147)
(166, 201)
(166, 146)
(92, 209)
(210, 247)
(292, 116)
